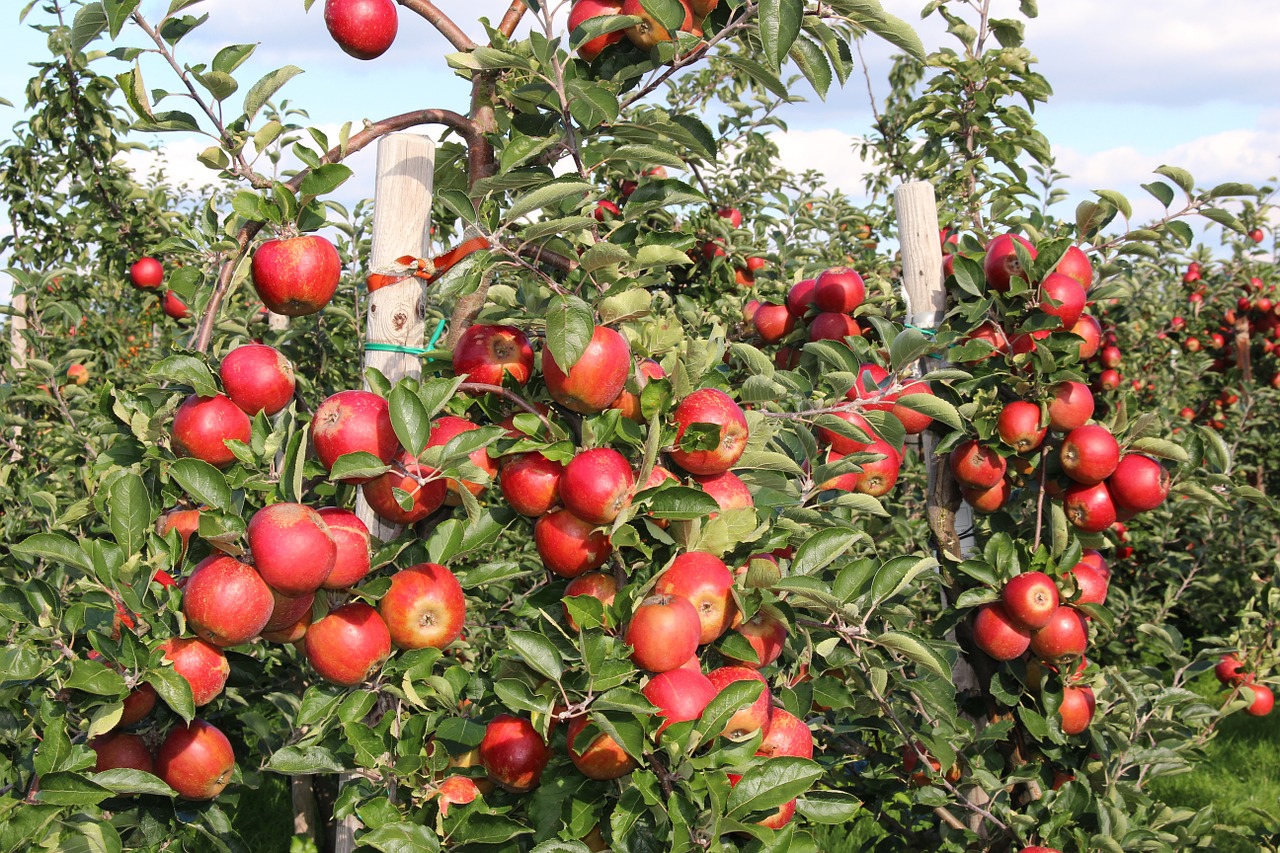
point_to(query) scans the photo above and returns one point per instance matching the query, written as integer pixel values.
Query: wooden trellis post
(395, 313)
(17, 328)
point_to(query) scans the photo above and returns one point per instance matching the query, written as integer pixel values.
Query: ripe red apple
(257, 378)
(1062, 297)
(988, 332)
(829, 326)
(663, 632)
(1109, 380)
(348, 645)
(140, 702)
(728, 490)
(1030, 598)
(601, 586)
(1089, 508)
(1089, 454)
(878, 477)
(1138, 484)
(584, 10)
(1264, 700)
(773, 322)
(487, 354)
(296, 276)
(599, 757)
(146, 274)
(597, 485)
(1092, 583)
(1063, 639)
(1001, 263)
(1230, 671)
(351, 538)
(976, 465)
(767, 636)
(362, 28)
(649, 33)
(786, 735)
(121, 750)
(1071, 406)
(513, 753)
(568, 545)
(777, 819)
(1095, 559)
(225, 601)
(912, 421)
(755, 264)
(203, 425)
(195, 760)
(628, 402)
(598, 377)
(1077, 708)
(1256, 235)
(173, 306)
(841, 482)
(202, 664)
(710, 406)
(800, 297)
(997, 634)
(749, 719)
(420, 482)
(1110, 356)
(839, 290)
(1019, 426)
(732, 214)
(1089, 330)
(705, 582)
(680, 695)
(872, 383)
(987, 500)
(286, 613)
(424, 607)
(292, 548)
(530, 482)
(292, 633)
(351, 422)
(1075, 264)
(844, 445)
(442, 432)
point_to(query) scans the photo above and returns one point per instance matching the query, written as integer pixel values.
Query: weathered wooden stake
(395, 315)
(17, 328)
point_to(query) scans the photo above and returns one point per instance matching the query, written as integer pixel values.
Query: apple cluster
(647, 34)
(1231, 673)
(1033, 614)
(147, 274)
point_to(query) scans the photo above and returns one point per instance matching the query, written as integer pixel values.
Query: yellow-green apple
(424, 607)
(348, 644)
(663, 632)
(296, 276)
(196, 760)
(225, 601)
(257, 378)
(203, 425)
(513, 753)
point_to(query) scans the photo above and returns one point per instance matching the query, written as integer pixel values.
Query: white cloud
(829, 151)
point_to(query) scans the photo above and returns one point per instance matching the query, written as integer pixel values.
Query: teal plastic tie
(430, 347)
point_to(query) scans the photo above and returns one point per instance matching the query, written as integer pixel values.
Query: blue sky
(1137, 83)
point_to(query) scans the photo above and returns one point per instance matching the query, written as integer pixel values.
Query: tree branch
(512, 19)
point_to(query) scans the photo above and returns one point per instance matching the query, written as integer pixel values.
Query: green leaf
(823, 548)
(70, 789)
(401, 838)
(769, 785)
(232, 57)
(828, 807)
(813, 64)
(186, 370)
(1162, 192)
(1181, 177)
(870, 14)
(1160, 448)
(304, 761)
(129, 512)
(735, 696)
(570, 328)
(53, 546)
(324, 179)
(202, 481)
(135, 93)
(538, 652)
(896, 575)
(1224, 218)
(125, 781)
(175, 690)
(549, 194)
(915, 650)
(409, 418)
(89, 23)
(681, 502)
(779, 27)
(264, 89)
(358, 465)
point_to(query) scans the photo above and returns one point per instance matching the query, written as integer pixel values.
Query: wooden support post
(17, 329)
(396, 313)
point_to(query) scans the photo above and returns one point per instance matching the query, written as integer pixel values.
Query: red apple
(912, 421)
(680, 695)
(1062, 297)
(225, 601)
(487, 354)
(1019, 426)
(568, 545)
(1063, 639)
(1264, 700)
(1089, 330)
(1230, 671)
(424, 607)
(649, 33)
(351, 538)
(628, 402)
(1110, 356)
(513, 753)
(1089, 508)
(1077, 708)
(829, 326)
(203, 425)
(1091, 582)
(786, 735)
(442, 432)
(202, 664)
(530, 482)
(195, 760)
(1071, 406)
(727, 488)
(121, 750)
(767, 636)
(257, 378)
(138, 704)
(749, 719)
(987, 500)
(296, 276)
(292, 548)
(348, 645)
(1138, 484)
(351, 422)
(844, 445)
(872, 383)
(420, 482)
(1031, 599)
(989, 333)
(878, 477)
(1089, 454)
(597, 485)
(976, 465)
(456, 791)
(599, 757)
(1002, 264)
(663, 632)
(710, 406)
(997, 634)
(601, 586)
(286, 613)
(173, 306)
(1075, 264)
(146, 274)
(839, 290)
(773, 322)
(777, 819)
(362, 28)
(598, 377)
(585, 10)
(706, 583)
(800, 297)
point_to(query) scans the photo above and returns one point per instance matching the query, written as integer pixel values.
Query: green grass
(1242, 771)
